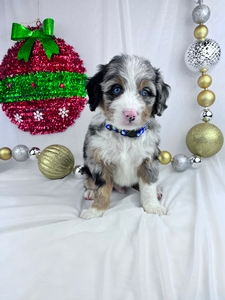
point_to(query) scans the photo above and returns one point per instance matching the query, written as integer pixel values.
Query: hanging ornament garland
(42, 80)
(204, 139)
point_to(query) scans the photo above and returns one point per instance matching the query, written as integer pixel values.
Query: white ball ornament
(202, 55)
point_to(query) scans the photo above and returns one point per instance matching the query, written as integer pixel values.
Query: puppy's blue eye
(117, 90)
(145, 93)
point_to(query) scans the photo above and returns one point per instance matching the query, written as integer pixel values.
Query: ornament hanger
(38, 20)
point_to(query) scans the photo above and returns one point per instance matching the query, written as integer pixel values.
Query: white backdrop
(46, 251)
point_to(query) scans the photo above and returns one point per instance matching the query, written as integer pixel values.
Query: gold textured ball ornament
(56, 161)
(165, 157)
(206, 98)
(5, 153)
(204, 81)
(201, 32)
(204, 139)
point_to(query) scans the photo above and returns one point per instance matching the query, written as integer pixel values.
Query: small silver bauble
(180, 163)
(196, 161)
(206, 115)
(78, 171)
(20, 153)
(198, 1)
(33, 153)
(202, 54)
(201, 14)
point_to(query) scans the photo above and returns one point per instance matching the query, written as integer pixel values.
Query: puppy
(121, 144)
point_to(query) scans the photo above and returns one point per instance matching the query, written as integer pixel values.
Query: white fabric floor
(48, 252)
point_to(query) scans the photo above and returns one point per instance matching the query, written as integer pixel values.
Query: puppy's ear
(94, 89)
(162, 93)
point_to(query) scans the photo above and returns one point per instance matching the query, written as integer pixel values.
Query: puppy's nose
(130, 114)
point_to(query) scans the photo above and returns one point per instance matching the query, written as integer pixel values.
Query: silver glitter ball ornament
(202, 54)
(206, 115)
(201, 14)
(20, 153)
(78, 171)
(33, 152)
(196, 161)
(180, 163)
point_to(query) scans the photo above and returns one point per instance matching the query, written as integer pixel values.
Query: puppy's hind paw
(89, 195)
(155, 209)
(159, 193)
(119, 188)
(91, 213)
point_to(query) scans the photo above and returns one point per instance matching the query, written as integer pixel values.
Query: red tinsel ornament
(43, 95)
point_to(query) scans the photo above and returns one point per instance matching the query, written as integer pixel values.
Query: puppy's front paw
(155, 209)
(91, 213)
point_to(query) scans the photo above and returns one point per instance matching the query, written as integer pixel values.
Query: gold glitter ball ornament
(5, 153)
(164, 157)
(204, 139)
(55, 161)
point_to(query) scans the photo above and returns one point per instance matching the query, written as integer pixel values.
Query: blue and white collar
(124, 132)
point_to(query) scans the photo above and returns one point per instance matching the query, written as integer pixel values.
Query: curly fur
(126, 93)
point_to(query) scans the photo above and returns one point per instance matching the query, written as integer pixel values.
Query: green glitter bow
(44, 35)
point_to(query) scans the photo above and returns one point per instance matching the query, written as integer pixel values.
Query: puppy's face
(129, 91)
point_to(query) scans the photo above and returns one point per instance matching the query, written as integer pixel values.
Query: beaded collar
(124, 132)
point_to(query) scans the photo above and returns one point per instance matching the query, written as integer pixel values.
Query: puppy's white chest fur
(124, 154)
(126, 165)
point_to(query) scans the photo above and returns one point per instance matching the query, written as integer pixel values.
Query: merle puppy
(121, 144)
